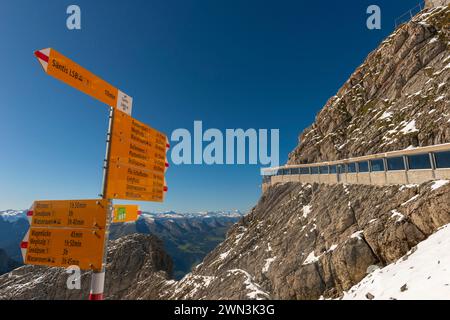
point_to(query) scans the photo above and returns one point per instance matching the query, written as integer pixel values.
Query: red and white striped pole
(97, 285)
(98, 276)
(24, 242)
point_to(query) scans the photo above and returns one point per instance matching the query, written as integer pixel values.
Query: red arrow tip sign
(40, 55)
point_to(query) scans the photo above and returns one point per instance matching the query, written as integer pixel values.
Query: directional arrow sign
(148, 156)
(136, 144)
(69, 213)
(63, 247)
(130, 128)
(125, 182)
(137, 161)
(125, 213)
(64, 69)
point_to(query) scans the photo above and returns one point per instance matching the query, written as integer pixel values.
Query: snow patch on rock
(439, 183)
(423, 273)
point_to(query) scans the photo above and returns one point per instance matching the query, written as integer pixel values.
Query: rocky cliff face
(131, 259)
(436, 3)
(305, 241)
(397, 98)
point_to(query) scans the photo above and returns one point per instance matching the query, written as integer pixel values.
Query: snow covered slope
(424, 273)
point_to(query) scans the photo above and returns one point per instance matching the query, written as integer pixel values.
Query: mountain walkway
(407, 166)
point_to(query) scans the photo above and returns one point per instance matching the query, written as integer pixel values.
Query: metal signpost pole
(98, 276)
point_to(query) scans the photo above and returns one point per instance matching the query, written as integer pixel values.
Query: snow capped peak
(13, 215)
(202, 214)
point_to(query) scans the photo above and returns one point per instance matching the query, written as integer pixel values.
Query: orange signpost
(69, 213)
(126, 126)
(137, 161)
(66, 232)
(125, 182)
(64, 69)
(142, 146)
(74, 232)
(125, 213)
(137, 155)
(61, 247)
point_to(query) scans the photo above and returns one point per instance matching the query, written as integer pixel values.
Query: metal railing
(405, 166)
(408, 15)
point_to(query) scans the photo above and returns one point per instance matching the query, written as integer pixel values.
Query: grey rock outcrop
(397, 98)
(436, 3)
(305, 241)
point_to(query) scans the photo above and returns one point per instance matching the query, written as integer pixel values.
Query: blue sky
(230, 63)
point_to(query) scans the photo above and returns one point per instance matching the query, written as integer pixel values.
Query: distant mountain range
(6, 263)
(12, 215)
(13, 226)
(201, 214)
(187, 237)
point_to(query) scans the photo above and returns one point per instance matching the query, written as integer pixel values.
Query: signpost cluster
(64, 233)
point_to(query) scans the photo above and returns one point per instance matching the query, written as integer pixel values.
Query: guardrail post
(406, 164)
(433, 164)
(385, 170)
